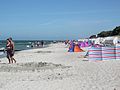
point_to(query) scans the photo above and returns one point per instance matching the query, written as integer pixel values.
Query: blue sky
(57, 19)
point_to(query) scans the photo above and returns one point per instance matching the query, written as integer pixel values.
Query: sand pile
(31, 66)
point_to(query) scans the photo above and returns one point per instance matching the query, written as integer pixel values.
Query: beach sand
(53, 68)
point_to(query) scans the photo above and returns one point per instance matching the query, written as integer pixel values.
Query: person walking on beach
(10, 50)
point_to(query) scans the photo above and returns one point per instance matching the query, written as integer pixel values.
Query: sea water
(22, 45)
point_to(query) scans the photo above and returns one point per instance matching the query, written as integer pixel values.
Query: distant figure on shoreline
(42, 43)
(66, 42)
(10, 50)
(37, 44)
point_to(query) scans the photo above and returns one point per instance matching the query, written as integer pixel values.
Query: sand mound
(31, 66)
(43, 52)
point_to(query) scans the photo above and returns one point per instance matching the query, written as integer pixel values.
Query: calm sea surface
(24, 45)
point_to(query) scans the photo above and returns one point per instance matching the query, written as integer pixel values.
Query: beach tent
(77, 48)
(71, 46)
(82, 44)
(74, 47)
(86, 44)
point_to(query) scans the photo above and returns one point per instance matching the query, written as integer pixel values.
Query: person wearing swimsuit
(10, 50)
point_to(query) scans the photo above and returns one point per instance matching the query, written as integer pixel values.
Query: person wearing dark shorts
(10, 50)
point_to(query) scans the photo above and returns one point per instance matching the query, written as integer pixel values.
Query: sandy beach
(53, 68)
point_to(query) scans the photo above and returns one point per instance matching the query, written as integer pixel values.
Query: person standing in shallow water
(10, 50)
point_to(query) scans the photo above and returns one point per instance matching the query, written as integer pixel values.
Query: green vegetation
(114, 32)
(105, 34)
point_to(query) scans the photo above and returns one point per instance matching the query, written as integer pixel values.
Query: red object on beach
(77, 48)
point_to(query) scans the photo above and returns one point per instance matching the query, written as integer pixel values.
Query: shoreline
(18, 50)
